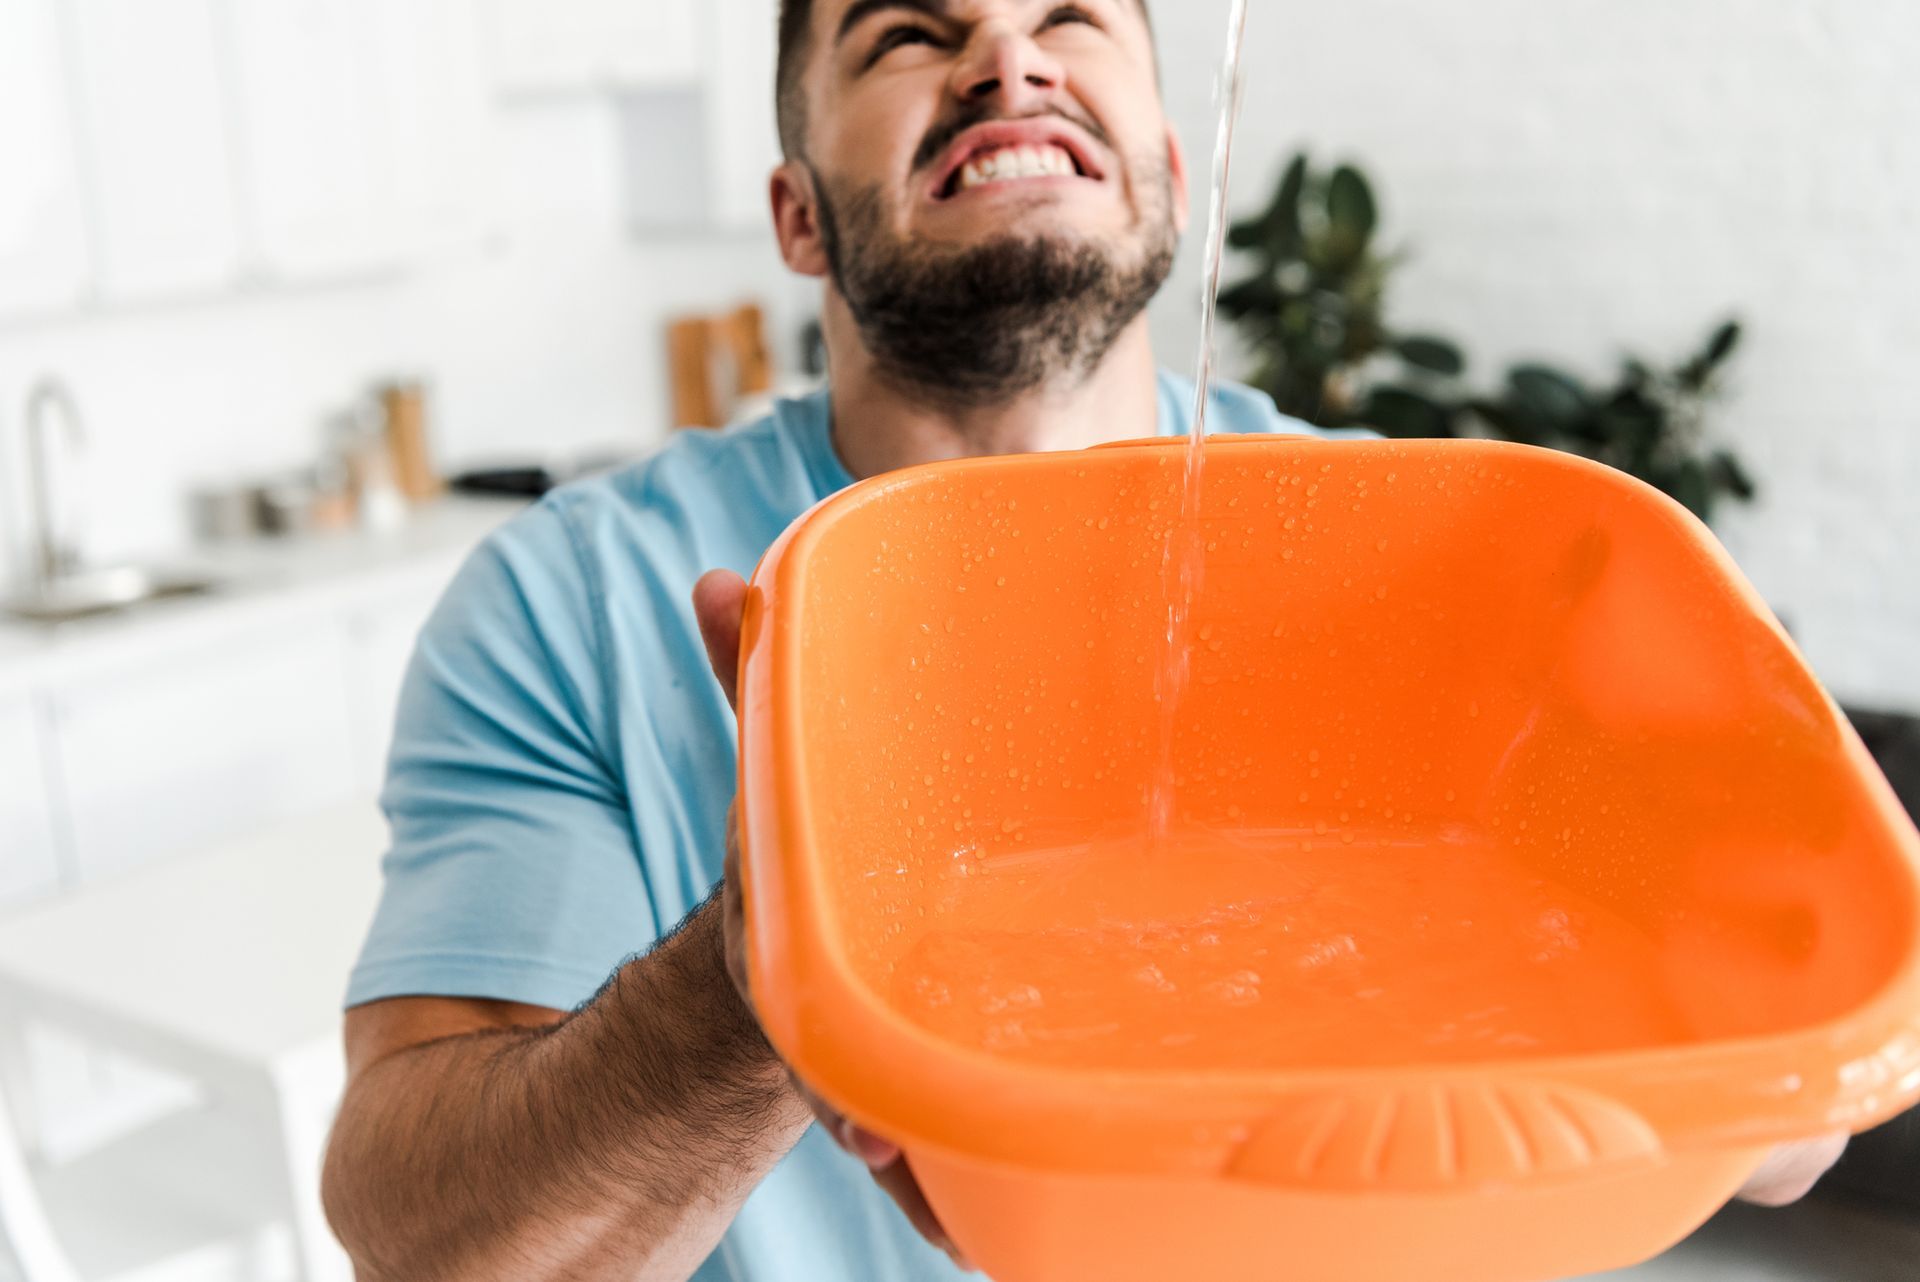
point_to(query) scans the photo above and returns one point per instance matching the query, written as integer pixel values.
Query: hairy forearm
(618, 1143)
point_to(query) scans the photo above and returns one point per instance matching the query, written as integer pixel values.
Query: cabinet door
(318, 190)
(43, 247)
(437, 120)
(186, 750)
(556, 46)
(153, 112)
(742, 141)
(29, 860)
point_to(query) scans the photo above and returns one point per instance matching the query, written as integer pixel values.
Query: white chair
(226, 968)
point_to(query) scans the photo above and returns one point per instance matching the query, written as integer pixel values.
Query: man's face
(975, 160)
(977, 118)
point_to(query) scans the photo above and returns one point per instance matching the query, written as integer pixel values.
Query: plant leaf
(1284, 213)
(1435, 355)
(1555, 397)
(1690, 486)
(1504, 422)
(1401, 412)
(1275, 231)
(1696, 373)
(1628, 431)
(1351, 217)
(1255, 295)
(1248, 233)
(1722, 344)
(1729, 474)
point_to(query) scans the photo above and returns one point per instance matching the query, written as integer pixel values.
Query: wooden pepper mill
(403, 405)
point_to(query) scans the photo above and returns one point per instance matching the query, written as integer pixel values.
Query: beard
(979, 325)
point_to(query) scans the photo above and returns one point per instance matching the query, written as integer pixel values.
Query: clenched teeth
(1013, 163)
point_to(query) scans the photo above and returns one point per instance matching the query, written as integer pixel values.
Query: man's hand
(718, 600)
(1792, 1171)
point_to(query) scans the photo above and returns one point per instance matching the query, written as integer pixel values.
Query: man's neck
(878, 426)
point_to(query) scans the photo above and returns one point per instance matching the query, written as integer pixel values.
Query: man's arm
(481, 1140)
(487, 1139)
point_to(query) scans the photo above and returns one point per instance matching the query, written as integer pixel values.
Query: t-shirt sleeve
(513, 873)
(1237, 408)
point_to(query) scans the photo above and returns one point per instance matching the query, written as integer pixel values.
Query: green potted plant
(1312, 313)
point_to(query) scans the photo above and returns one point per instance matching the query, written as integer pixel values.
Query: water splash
(1184, 559)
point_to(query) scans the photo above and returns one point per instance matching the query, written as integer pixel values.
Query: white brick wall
(1585, 174)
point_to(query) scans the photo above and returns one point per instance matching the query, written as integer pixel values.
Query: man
(991, 192)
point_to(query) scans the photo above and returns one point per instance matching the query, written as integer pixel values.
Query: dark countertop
(1823, 1239)
(1884, 1166)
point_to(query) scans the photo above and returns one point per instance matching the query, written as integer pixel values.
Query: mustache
(941, 136)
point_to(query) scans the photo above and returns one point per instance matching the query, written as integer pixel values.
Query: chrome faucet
(56, 546)
(59, 587)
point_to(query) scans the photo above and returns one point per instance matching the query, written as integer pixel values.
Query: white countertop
(258, 582)
(241, 951)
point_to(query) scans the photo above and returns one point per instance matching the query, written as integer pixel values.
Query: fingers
(719, 598)
(877, 1153)
(897, 1179)
(863, 1144)
(1790, 1173)
(889, 1168)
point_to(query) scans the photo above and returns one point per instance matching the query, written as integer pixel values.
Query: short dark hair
(789, 102)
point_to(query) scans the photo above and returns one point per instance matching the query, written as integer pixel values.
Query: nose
(1003, 63)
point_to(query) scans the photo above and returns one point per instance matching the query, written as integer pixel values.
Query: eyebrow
(861, 10)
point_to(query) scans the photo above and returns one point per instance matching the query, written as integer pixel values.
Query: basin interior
(1484, 755)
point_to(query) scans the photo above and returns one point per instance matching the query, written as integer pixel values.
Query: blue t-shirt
(564, 760)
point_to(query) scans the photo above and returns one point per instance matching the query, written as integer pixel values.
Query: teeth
(1012, 163)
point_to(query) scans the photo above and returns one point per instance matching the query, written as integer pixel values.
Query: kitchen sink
(91, 592)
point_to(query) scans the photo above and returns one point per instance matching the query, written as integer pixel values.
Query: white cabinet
(319, 198)
(665, 162)
(29, 859)
(364, 130)
(154, 736)
(43, 238)
(153, 108)
(743, 142)
(161, 149)
(558, 46)
(697, 158)
(176, 753)
(432, 99)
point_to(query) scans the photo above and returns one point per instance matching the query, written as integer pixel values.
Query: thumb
(719, 599)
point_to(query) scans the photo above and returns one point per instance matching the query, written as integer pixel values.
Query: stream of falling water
(1184, 559)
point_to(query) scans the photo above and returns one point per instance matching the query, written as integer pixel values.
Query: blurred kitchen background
(292, 290)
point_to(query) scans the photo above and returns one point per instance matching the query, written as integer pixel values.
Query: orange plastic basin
(1522, 887)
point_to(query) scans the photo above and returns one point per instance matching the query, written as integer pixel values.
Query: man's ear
(795, 223)
(1177, 171)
